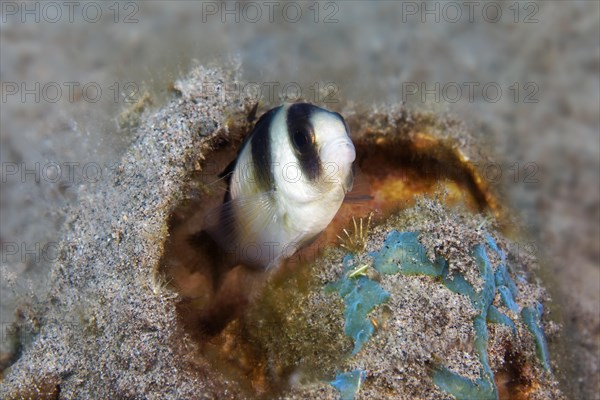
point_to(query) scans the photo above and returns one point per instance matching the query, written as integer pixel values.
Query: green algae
(348, 383)
(532, 319)
(494, 316)
(453, 383)
(361, 295)
(504, 283)
(402, 253)
(461, 387)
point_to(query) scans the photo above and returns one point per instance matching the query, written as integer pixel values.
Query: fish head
(322, 145)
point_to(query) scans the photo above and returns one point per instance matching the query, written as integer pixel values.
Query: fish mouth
(340, 151)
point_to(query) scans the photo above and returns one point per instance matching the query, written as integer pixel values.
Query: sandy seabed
(369, 54)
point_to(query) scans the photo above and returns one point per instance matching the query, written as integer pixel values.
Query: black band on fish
(302, 137)
(260, 146)
(264, 213)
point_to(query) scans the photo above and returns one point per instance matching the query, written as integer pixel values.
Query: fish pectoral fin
(243, 220)
(253, 215)
(358, 188)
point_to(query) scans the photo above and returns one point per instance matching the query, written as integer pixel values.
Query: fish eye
(303, 139)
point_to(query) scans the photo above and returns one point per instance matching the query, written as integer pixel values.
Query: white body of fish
(271, 214)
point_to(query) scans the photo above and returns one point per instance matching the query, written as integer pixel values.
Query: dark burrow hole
(516, 380)
(392, 171)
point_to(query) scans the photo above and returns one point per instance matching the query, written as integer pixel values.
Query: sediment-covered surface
(547, 150)
(109, 328)
(424, 327)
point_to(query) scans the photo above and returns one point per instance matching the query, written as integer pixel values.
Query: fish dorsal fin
(228, 171)
(226, 174)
